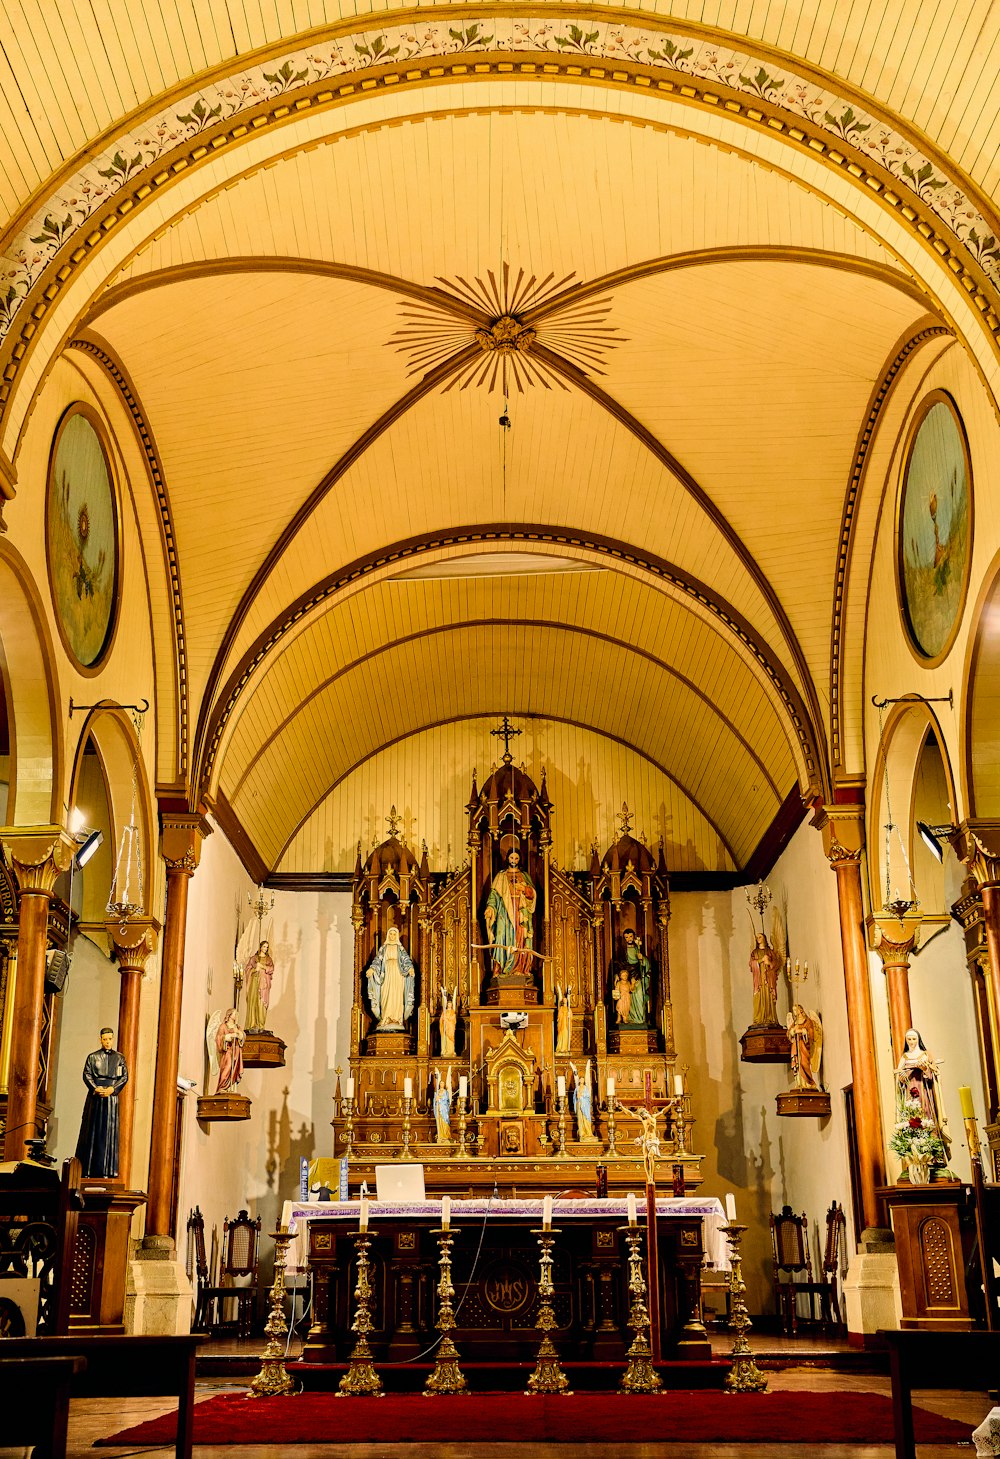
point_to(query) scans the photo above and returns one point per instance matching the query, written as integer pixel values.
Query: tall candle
(611, 1086)
(730, 1207)
(547, 1214)
(445, 1213)
(678, 1085)
(561, 1086)
(349, 1086)
(407, 1087)
(463, 1086)
(363, 1215)
(965, 1100)
(630, 1205)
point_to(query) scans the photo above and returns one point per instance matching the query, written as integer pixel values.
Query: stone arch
(27, 660)
(910, 728)
(111, 732)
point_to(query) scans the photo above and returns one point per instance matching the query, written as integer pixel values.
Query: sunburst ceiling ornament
(528, 331)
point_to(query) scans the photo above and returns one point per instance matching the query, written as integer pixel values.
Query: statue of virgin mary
(391, 983)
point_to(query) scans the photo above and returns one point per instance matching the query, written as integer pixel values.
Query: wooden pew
(34, 1402)
(122, 1367)
(966, 1360)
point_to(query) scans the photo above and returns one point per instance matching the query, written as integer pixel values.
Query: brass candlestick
(612, 1147)
(406, 1152)
(561, 1106)
(744, 1375)
(680, 1124)
(639, 1376)
(548, 1377)
(361, 1379)
(349, 1118)
(447, 1376)
(463, 1119)
(273, 1381)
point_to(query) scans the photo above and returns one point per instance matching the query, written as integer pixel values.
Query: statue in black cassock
(105, 1074)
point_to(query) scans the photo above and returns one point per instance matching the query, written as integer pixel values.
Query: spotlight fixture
(932, 837)
(88, 845)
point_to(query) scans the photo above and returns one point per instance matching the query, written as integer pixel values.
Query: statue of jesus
(509, 917)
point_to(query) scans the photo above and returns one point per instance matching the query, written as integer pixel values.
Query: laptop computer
(402, 1185)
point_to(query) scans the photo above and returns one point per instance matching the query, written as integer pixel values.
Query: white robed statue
(391, 983)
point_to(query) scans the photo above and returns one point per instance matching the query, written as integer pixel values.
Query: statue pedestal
(632, 1041)
(100, 1258)
(814, 1103)
(223, 1107)
(871, 1290)
(765, 1044)
(263, 1049)
(159, 1301)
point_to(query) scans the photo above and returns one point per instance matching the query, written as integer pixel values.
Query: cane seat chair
(793, 1272)
(238, 1260)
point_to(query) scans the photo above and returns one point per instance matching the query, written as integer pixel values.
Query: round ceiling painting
(81, 538)
(935, 527)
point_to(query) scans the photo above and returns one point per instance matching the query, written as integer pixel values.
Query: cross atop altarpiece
(393, 821)
(506, 732)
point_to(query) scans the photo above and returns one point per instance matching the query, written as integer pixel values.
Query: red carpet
(676, 1417)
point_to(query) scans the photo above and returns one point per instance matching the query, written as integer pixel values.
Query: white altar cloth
(466, 1212)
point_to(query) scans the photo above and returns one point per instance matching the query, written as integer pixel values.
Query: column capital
(38, 855)
(894, 938)
(977, 843)
(132, 942)
(843, 830)
(181, 835)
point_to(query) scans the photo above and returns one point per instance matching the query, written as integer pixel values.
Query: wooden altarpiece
(513, 963)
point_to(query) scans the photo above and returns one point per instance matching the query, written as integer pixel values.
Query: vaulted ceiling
(683, 321)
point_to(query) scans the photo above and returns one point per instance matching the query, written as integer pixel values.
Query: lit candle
(630, 1205)
(547, 1214)
(363, 1215)
(407, 1087)
(561, 1086)
(678, 1085)
(463, 1086)
(965, 1100)
(730, 1207)
(349, 1086)
(445, 1213)
(611, 1086)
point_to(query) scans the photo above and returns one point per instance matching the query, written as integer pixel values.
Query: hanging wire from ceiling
(123, 901)
(894, 902)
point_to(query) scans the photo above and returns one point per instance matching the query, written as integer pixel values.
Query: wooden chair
(793, 1273)
(240, 1240)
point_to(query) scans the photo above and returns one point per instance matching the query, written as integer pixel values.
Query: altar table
(495, 1276)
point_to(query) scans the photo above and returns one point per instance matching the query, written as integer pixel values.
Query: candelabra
(744, 1375)
(406, 1152)
(561, 1107)
(361, 1379)
(273, 1381)
(639, 1376)
(680, 1124)
(548, 1377)
(612, 1147)
(447, 1376)
(349, 1123)
(463, 1119)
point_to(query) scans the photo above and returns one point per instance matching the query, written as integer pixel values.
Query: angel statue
(442, 1106)
(564, 1019)
(391, 983)
(224, 1038)
(805, 1034)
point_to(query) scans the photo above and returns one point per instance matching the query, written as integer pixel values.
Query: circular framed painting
(82, 537)
(934, 527)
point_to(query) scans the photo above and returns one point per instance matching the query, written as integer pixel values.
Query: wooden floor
(92, 1419)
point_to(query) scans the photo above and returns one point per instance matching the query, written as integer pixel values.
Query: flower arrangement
(915, 1136)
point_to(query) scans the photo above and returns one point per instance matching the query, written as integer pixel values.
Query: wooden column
(131, 943)
(181, 835)
(894, 938)
(843, 838)
(38, 855)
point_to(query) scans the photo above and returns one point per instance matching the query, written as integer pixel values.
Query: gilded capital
(894, 938)
(843, 831)
(977, 843)
(38, 855)
(181, 835)
(132, 942)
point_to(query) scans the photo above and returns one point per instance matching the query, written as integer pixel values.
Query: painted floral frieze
(68, 210)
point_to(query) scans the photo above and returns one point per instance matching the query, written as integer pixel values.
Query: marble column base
(158, 1297)
(871, 1291)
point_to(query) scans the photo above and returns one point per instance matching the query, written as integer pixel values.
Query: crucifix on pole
(506, 732)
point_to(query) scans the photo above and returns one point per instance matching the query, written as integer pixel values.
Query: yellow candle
(965, 1100)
